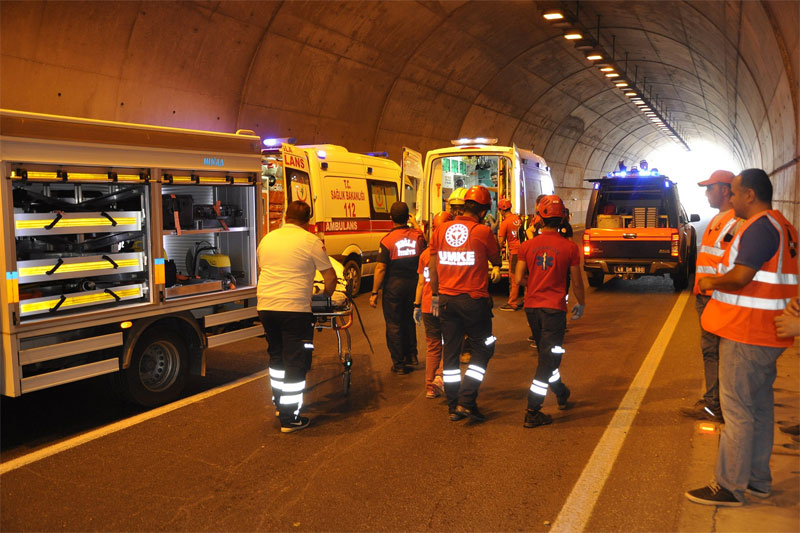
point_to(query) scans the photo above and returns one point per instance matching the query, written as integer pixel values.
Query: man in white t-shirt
(288, 258)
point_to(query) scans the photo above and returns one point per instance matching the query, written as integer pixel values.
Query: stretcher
(339, 319)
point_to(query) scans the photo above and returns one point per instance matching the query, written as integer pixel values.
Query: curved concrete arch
(380, 75)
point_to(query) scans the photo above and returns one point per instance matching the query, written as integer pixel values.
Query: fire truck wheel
(158, 369)
(352, 274)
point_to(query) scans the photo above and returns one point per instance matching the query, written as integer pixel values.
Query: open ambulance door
(413, 191)
(516, 182)
(297, 180)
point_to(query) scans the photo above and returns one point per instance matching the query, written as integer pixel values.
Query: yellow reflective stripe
(77, 300)
(211, 179)
(751, 302)
(74, 222)
(76, 267)
(86, 176)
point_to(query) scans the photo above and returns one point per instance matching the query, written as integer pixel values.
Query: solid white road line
(577, 510)
(122, 424)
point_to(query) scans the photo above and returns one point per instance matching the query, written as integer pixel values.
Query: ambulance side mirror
(694, 217)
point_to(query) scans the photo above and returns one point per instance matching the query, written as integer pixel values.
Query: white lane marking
(122, 424)
(577, 510)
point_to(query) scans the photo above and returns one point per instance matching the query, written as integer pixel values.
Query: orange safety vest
(713, 246)
(747, 315)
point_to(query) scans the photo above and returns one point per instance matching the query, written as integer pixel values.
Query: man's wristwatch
(374, 293)
(417, 305)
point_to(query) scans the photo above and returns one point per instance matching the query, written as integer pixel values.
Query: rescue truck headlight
(675, 243)
(126, 324)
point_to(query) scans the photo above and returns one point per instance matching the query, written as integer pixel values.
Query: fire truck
(127, 249)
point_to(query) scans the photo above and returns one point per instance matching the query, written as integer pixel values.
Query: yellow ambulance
(350, 195)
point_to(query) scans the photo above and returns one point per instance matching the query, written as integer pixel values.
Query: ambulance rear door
(413, 193)
(516, 182)
(297, 179)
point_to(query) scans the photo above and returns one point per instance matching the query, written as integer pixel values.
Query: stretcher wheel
(346, 382)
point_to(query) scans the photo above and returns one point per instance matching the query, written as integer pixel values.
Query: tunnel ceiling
(380, 75)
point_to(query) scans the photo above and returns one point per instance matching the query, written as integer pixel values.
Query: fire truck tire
(352, 274)
(595, 279)
(158, 369)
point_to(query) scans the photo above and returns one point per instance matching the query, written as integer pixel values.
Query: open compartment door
(413, 192)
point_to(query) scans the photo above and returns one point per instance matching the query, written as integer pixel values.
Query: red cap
(479, 194)
(551, 206)
(718, 176)
(504, 204)
(441, 218)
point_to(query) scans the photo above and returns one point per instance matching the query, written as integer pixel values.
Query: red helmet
(504, 204)
(478, 194)
(551, 206)
(441, 218)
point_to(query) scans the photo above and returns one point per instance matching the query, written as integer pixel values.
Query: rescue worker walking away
(288, 257)
(434, 386)
(716, 239)
(396, 272)
(460, 252)
(509, 234)
(543, 266)
(757, 280)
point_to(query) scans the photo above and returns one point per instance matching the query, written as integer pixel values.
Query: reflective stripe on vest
(747, 315)
(713, 246)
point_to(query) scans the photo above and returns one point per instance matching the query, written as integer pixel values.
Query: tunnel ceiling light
(594, 55)
(607, 68)
(572, 35)
(621, 84)
(631, 93)
(553, 14)
(612, 75)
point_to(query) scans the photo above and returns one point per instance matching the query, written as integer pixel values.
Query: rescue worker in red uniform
(434, 386)
(756, 281)
(509, 234)
(460, 252)
(396, 272)
(716, 239)
(544, 263)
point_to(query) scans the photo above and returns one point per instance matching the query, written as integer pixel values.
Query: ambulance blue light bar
(633, 173)
(277, 141)
(377, 154)
(477, 140)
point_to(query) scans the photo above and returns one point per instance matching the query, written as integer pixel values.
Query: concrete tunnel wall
(376, 76)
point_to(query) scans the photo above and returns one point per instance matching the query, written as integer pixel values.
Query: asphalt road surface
(384, 458)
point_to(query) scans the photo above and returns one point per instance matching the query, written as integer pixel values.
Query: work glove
(435, 305)
(418, 315)
(495, 275)
(577, 311)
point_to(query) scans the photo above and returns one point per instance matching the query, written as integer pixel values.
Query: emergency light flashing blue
(378, 154)
(667, 184)
(596, 186)
(322, 154)
(277, 141)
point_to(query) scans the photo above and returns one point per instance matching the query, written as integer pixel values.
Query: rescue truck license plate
(623, 269)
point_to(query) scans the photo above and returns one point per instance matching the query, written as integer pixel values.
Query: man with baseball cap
(717, 238)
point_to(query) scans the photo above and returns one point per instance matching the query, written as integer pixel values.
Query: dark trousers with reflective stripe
(398, 312)
(288, 334)
(548, 327)
(462, 315)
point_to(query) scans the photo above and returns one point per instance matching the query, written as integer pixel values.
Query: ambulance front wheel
(158, 369)
(352, 275)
